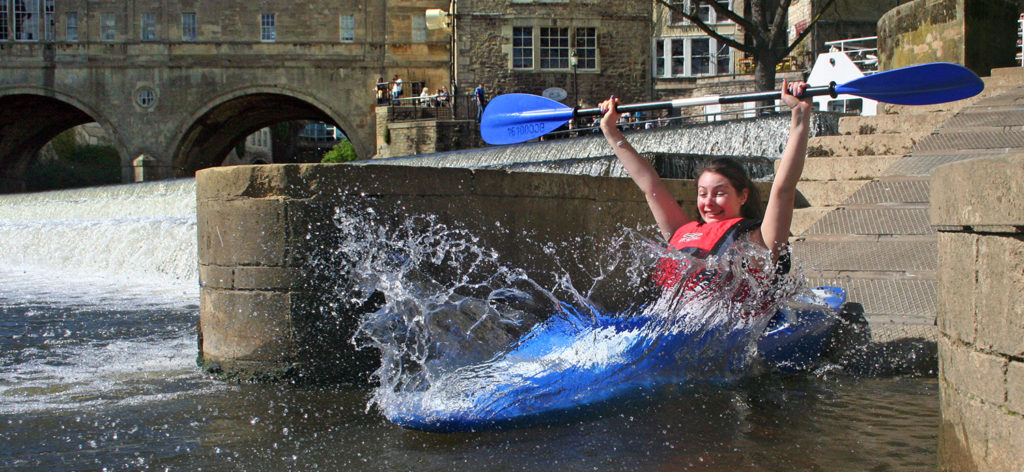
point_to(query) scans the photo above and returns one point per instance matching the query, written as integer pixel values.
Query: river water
(98, 307)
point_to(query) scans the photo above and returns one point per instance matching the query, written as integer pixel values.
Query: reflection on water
(767, 423)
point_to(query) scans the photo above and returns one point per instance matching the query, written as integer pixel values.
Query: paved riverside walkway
(878, 242)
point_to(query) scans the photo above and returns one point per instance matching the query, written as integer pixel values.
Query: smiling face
(717, 199)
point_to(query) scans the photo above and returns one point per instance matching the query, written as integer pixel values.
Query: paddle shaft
(710, 100)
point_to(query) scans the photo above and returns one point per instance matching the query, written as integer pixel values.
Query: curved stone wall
(263, 230)
(976, 207)
(979, 34)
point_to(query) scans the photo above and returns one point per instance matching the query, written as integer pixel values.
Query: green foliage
(64, 144)
(77, 165)
(344, 151)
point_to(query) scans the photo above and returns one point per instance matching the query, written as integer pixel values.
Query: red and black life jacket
(701, 240)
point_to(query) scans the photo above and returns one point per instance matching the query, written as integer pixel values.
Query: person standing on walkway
(481, 101)
(396, 88)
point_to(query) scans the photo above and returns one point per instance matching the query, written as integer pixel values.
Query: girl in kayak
(727, 200)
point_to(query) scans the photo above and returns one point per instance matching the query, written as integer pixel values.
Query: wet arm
(666, 210)
(778, 215)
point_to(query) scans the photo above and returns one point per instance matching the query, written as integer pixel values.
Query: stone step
(858, 145)
(825, 193)
(922, 164)
(902, 300)
(907, 110)
(892, 190)
(990, 118)
(845, 168)
(1003, 78)
(804, 218)
(920, 124)
(969, 140)
(836, 256)
(874, 220)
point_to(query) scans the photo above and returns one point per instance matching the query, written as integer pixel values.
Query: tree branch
(778, 28)
(728, 13)
(807, 30)
(708, 29)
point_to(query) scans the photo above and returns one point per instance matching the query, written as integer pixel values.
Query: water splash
(467, 340)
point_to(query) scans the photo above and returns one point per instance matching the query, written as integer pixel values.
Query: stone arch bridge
(183, 108)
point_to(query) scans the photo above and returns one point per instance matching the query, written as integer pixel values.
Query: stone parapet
(266, 310)
(977, 210)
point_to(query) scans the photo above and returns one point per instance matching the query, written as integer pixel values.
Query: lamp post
(574, 61)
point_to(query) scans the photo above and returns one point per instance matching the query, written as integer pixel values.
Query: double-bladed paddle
(518, 117)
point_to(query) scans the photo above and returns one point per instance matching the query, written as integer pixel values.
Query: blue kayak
(572, 361)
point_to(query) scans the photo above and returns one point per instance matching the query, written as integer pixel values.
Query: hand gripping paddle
(518, 117)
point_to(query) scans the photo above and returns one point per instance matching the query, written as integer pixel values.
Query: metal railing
(862, 51)
(669, 121)
(452, 107)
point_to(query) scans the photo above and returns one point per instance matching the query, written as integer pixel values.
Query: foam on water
(125, 240)
(99, 291)
(463, 335)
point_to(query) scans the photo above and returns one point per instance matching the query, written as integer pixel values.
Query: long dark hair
(733, 171)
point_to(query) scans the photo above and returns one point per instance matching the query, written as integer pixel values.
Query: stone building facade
(588, 48)
(183, 82)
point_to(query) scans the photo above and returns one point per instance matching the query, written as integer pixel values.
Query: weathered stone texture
(958, 259)
(266, 235)
(976, 206)
(979, 34)
(983, 197)
(1000, 299)
(209, 93)
(623, 41)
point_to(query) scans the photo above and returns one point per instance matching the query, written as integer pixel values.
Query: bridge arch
(208, 135)
(30, 117)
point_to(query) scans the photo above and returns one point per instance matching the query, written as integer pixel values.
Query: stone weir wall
(268, 308)
(977, 210)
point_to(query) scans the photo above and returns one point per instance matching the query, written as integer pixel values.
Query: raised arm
(666, 210)
(778, 215)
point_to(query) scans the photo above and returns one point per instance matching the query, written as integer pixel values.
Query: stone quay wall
(269, 311)
(980, 34)
(977, 210)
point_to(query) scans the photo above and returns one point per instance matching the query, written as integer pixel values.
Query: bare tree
(764, 22)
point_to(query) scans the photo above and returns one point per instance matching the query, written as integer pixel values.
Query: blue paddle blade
(924, 84)
(519, 117)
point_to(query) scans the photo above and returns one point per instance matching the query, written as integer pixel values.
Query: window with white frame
(71, 26)
(147, 27)
(4, 21)
(26, 20)
(551, 48)
(554, 48)
(691, 57)
(188, 26)
(268, 27)
(347, 28)
(419, 28)
(48, 23)
(522, 47)
(586, 48)
(108, 27)
(702, 10)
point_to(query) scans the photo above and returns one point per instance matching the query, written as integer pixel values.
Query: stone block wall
(980, 34)
(266, 309)
(975, 205)
(624, 31)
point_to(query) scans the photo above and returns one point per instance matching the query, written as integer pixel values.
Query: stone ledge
(979, 193)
